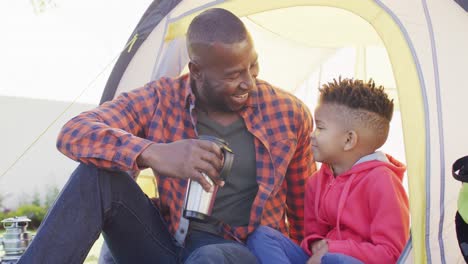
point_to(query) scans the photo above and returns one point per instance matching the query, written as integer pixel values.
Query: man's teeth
(242, 96)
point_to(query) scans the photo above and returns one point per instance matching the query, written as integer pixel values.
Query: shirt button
(182, 231)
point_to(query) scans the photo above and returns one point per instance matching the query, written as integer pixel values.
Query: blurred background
(55, 58)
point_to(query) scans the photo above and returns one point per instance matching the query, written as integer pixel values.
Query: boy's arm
(389, 227)
(314, 230)
(111, 135)
(300, 168)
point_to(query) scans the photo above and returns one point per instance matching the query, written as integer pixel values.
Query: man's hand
(187, 158)
(319, 249)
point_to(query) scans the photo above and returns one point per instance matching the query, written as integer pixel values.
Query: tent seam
(440, 127)
(426, 118)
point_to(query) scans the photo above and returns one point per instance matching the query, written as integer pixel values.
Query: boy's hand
(321, 248)
(317, 245)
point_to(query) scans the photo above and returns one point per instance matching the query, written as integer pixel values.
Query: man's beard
(215, 102)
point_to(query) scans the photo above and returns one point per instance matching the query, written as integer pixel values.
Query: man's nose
(248, 82)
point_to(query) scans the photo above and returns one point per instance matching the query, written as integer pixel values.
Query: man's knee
(222, 253)
(86, 173)
(91, 170)
(263, 233)
(336, 258)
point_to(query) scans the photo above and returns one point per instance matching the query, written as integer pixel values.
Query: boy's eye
(254, 65)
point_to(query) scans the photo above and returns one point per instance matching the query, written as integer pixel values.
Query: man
(156, 126)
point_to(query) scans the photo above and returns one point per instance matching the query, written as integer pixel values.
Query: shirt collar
(189, 96)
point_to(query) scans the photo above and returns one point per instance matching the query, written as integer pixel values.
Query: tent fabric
(153, 15)
(463, 3)
(303, 43)
(463, 202)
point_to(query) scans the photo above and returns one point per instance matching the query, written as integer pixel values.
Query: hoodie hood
(370, 162)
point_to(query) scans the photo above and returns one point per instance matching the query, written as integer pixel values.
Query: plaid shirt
(114, 134)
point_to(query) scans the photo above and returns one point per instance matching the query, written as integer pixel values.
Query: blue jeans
(96, 200)
(271, 246)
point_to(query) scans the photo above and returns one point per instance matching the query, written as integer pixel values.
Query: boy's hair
(369, 104)
(358, 95)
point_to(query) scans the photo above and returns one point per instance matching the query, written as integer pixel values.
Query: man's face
(228, 75)
(329, 133)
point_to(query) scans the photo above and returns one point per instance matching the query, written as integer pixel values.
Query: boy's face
(329, 135)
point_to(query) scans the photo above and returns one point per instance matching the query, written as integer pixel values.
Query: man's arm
(111, 135)
(300, 168)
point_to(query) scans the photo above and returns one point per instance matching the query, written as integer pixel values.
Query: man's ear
(195, 71)
(351, 140)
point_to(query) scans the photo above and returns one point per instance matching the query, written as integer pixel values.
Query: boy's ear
(351, 140)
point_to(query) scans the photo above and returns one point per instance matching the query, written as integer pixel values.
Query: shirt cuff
(128, 157)
(307, 242)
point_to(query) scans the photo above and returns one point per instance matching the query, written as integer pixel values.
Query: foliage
(34, 212)
(51, 196)
(35, 209)
(2, 198)
(40, 6)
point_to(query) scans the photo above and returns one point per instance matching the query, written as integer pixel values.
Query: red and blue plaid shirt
(114, 134)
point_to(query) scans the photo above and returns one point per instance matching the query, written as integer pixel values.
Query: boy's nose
(312, 135)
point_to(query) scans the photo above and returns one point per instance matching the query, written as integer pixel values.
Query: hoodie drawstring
(341, 203)
(317, 201)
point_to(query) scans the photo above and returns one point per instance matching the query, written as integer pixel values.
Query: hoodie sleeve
(389, 221)
(313, 229)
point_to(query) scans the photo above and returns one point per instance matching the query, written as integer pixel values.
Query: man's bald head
(211, 26)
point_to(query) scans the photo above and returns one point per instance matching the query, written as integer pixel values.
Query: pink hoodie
(362, 213)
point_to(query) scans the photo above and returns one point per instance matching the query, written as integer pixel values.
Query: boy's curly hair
(358, 95)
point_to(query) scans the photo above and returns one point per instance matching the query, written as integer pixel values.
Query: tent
(418, 48)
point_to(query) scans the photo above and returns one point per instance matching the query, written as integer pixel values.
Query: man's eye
(233, 76)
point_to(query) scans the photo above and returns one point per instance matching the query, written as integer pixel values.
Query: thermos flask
(198, 202)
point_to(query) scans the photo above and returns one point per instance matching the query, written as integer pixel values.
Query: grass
(93, 254)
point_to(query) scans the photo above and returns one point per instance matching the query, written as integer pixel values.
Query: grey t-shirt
(234, 200)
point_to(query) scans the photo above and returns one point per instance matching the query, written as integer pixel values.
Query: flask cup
(198, 202)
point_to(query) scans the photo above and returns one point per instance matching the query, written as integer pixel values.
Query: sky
(64, 51)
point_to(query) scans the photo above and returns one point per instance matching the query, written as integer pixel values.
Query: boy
(356, 209)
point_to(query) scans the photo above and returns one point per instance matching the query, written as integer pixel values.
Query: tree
(40, 6)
